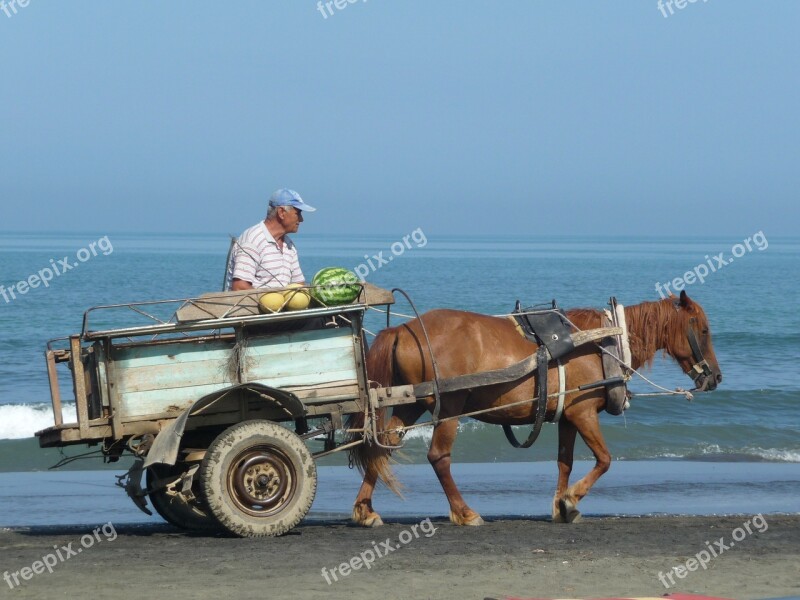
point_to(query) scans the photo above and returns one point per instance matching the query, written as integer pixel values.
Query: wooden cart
(219, 403)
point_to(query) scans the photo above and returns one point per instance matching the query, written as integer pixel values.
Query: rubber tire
(225, 454)
(174, 510)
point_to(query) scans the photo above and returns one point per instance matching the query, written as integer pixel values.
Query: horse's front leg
(588, 425)
(567, 432)
(444, 436)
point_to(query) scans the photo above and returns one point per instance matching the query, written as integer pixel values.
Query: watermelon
(333, 286)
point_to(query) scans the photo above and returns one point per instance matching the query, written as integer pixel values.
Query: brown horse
(464, 343)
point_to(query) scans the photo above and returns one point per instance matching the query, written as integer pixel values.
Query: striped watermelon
(333, 286)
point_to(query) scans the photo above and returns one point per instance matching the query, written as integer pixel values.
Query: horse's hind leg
(567, 432)
(444, 435)
(589, 428)
(363, 514)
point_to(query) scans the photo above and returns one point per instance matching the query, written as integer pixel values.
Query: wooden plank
(170, 354)
(310, 362)
(113, 392)
(158, 401)
(165, 377)
(245, 303)
(155, 403)
(345, 377)
(300, 341)
(217, 304)
(55, 393)
(190, 351)
(373, 295)
(317, 394)
(316, 398)
(79, 381)
(102, 377)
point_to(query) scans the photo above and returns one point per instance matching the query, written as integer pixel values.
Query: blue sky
(515, 117)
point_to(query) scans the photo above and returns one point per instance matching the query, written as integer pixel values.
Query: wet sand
(597, 557)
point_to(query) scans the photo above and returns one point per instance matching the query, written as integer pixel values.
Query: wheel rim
(261, 481)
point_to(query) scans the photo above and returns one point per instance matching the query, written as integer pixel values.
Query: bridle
(700, 367)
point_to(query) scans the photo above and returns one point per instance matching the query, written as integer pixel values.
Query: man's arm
(241, 284)
(244, 268)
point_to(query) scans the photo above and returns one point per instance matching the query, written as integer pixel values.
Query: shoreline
(606, 556)
(496, 490)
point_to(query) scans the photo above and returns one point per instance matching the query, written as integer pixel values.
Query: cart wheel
(174, 508)
(258, 479)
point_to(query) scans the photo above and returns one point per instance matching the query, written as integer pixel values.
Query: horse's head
(689, 343)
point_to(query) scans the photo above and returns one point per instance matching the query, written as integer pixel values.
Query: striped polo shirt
(258, 260)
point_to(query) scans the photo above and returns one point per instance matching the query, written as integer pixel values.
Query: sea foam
(18, 421)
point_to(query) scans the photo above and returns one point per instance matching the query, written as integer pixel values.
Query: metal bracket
(131, 482)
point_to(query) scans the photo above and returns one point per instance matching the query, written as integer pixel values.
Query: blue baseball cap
(287, 197)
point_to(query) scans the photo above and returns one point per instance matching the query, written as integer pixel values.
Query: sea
(740, 442)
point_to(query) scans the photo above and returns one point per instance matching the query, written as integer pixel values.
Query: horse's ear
(685, 301)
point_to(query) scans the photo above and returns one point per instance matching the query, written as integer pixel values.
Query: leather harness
(550, 330)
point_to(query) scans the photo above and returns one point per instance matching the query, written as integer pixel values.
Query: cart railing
(209, 311)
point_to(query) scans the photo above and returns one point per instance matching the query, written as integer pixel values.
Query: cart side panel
(322, 360)
(161, 378)
(320, 365)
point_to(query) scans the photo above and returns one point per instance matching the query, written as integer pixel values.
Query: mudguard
(167, 443)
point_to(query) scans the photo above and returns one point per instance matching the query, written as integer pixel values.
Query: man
(264, 256)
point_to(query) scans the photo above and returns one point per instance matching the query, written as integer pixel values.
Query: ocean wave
(775, 454)
(480, 442)
(745, 453)
(425, 433)
(18, 421)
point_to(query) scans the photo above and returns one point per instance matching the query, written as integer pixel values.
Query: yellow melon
(271, 302)
(298, 300)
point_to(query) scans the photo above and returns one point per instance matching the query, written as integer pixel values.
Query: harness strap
(616, 360)
(621, 322)
(562, 386)
(542, 358)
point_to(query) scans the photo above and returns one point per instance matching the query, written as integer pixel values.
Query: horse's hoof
(375, 521)
(372, 519)
(568, 512)
(557, 518)
(475, 521)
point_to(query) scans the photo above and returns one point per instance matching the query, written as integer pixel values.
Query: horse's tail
(371, 459)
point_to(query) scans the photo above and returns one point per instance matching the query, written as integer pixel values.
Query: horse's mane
(651, 325)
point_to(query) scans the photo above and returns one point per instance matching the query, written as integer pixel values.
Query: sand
(597, 557)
